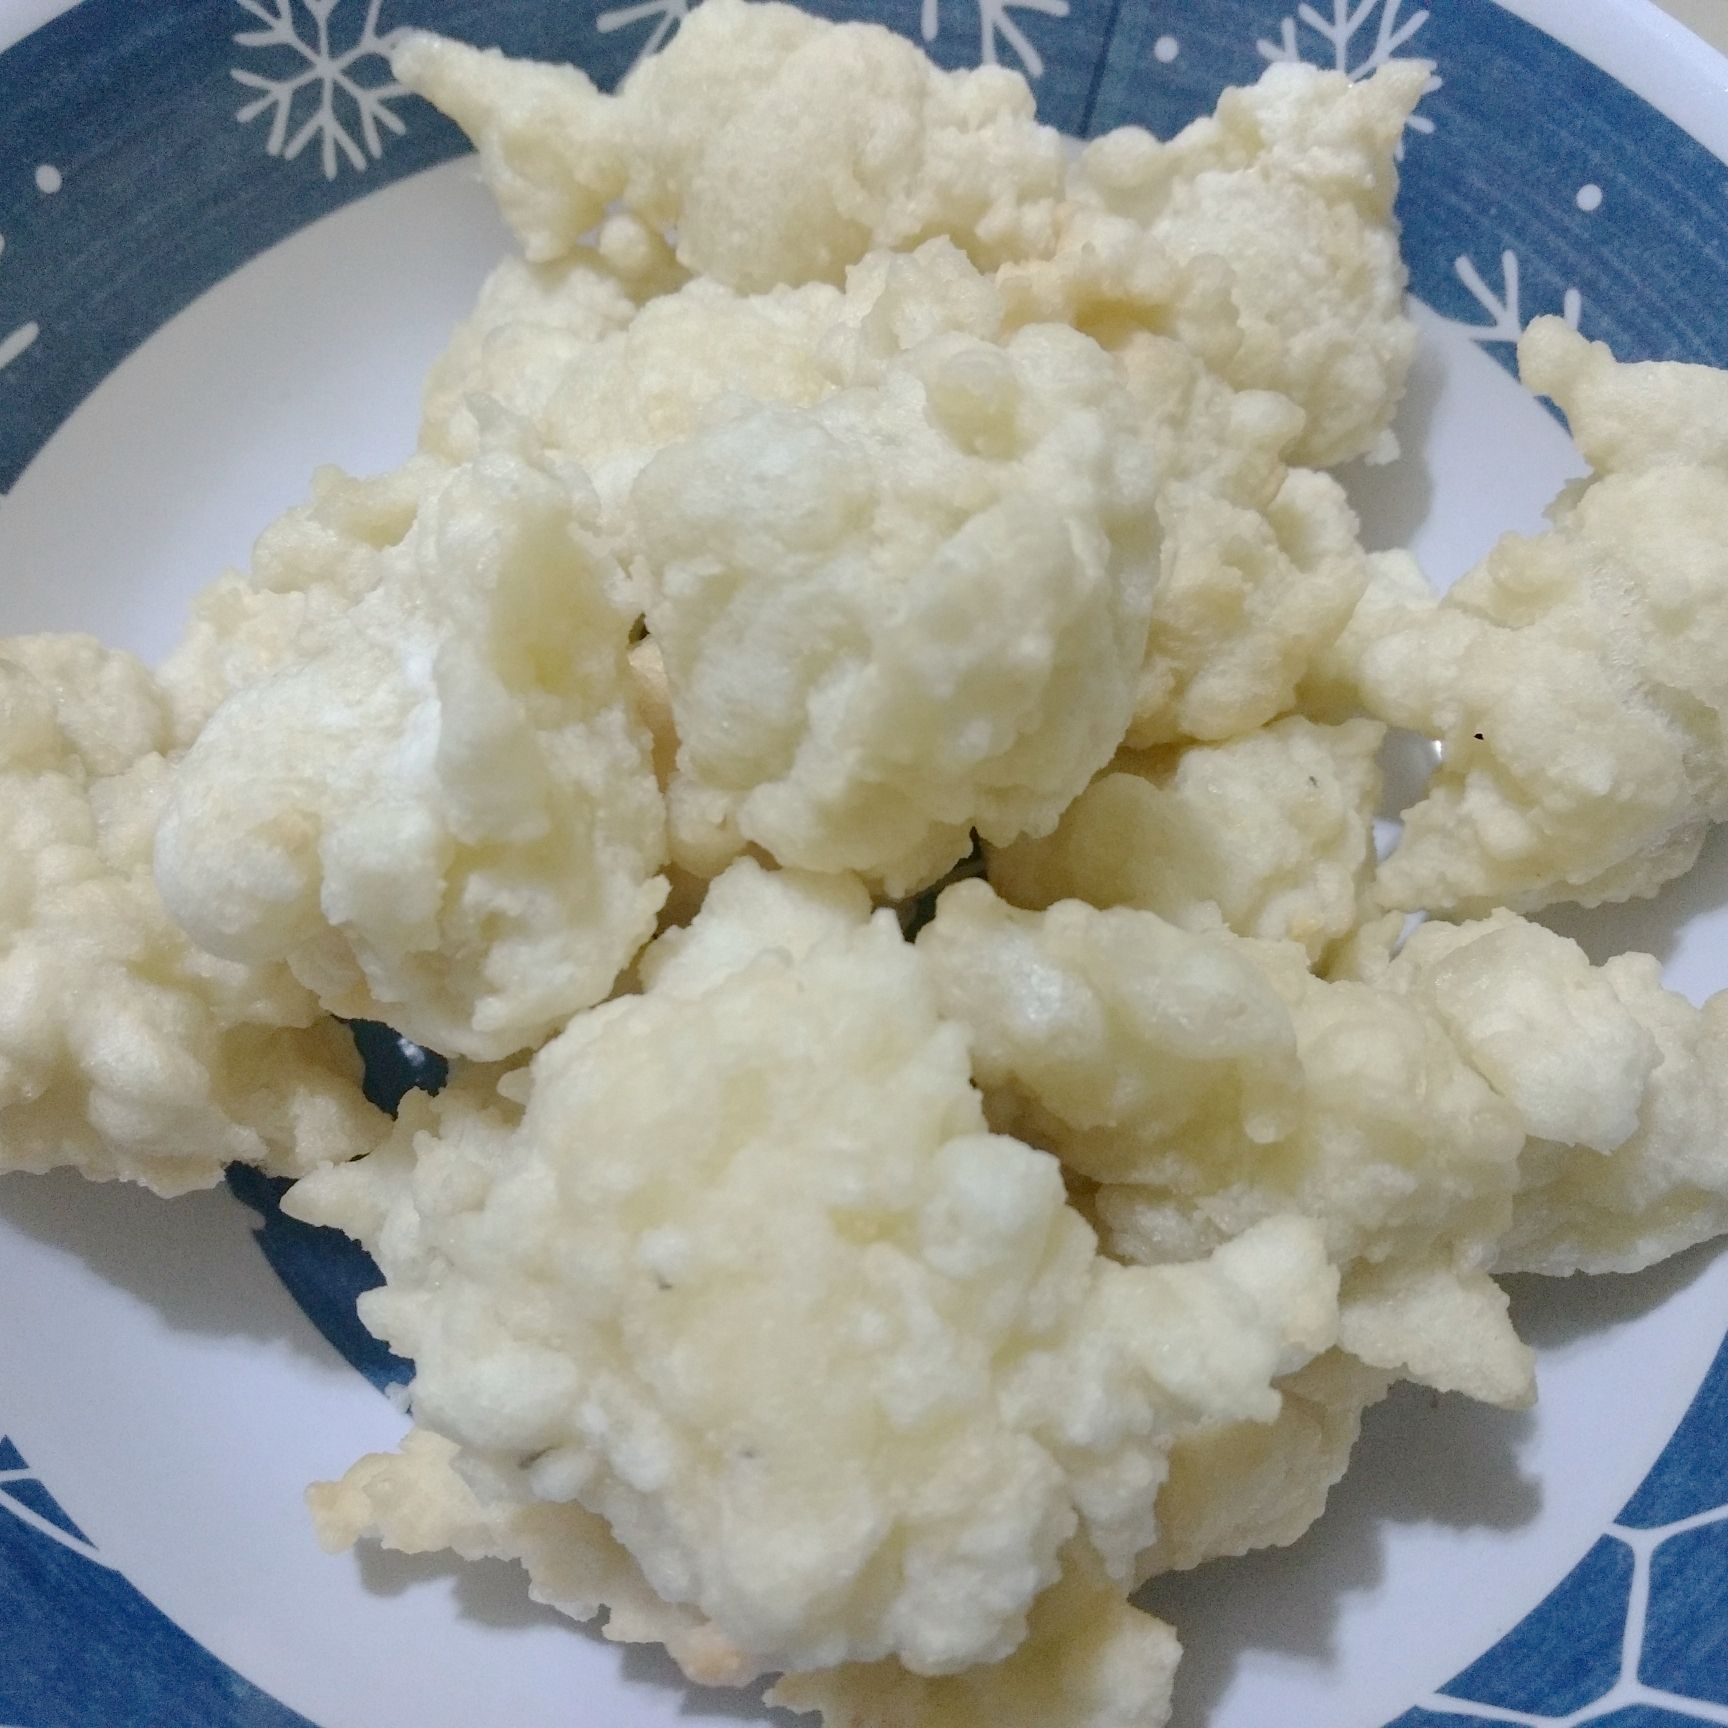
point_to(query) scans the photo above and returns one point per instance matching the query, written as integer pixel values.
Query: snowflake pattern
(1340, 32)
(1628, 1691)
(29, 1516)
(1505, 310)
(11, 346)
(997, 26)
(328, 74)
(998, 29)
(666, 14)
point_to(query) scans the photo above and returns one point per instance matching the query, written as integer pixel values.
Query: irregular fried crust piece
(446, 816)
(914, 610)
(1258, 1485)
(768, 1173)
(1433, 1324)
(1207, 1082)
(533, 323)
(1290, 187)
(1396, 596)
(1546, 1029)
(1261, 561)
(1622, 1086)
(124, 1051)
(779, 148)
(417, 1501)
(1251, 594)
(1090, 1660)
(608, 388)
(309, 568)
(1261, 565)
(1269, 835)
(1578, 678)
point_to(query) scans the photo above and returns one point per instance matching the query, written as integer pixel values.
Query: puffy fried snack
(609, 382)
(441, 811)
(1145, 251)
(1485, 1100)
(768, 1174)
(1262, 568)
(779, 148)
(914, 610)
(1201, 263)
(1622, 1087)
(1289, 188)
(1578, 678)
(1204, 1083)
(1269, 835)
(1257, 1485)
(309, 568)
(848, 490)
(1259, 569)
(126, 1052)
(876, 540)
(1208, 1082)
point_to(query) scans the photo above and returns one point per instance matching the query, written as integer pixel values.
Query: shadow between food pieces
(1422, 1459)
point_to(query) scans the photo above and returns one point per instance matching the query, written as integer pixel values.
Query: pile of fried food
(847, 495)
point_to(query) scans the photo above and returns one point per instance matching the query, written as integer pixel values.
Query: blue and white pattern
(146, 152)
(81, 1648)
(1358, 39)
(999, 30)
(325, 1272)
(347, 82)
(661, 17)
(15, 342)
(1505, 306)
(1634, 1636)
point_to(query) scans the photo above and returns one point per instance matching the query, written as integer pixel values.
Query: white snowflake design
(1628, 1690)
(998, 29)
(13, 345)
(42, 1526)
(328, 74)
(997, 26)
(1340, 33)
(667, 16)
(1506, 309)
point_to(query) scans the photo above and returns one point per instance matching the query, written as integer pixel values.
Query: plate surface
(213, 278)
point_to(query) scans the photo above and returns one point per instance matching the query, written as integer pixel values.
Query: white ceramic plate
(190, 323)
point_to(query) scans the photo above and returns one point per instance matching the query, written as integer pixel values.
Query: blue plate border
(1533, 182)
